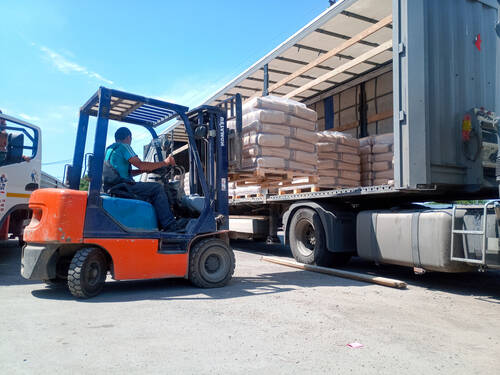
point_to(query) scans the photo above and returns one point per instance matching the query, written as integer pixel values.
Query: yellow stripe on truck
(18, 195)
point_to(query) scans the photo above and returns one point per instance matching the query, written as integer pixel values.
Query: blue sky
(55, 54)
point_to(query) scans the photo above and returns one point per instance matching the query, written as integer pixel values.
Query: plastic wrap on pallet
(329, 136)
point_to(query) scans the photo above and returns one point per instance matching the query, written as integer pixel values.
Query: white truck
(20, 173)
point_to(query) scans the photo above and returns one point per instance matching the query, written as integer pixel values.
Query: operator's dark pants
(154, 193)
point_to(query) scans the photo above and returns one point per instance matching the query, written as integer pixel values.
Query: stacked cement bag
(383, 159)
(278, 135)
(365, 150)
(377, 160)
(338, 160)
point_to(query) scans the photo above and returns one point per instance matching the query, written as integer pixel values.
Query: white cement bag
(276, 140)
(384, 174)
(335, 164)
(381, 166)
(334, 147)
(285, 153)
(329, 136)
(336, 182)
(386, 156)
(342, 156)
(278, 164)
(285, 105)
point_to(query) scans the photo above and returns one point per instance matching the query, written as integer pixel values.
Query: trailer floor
(270, 320)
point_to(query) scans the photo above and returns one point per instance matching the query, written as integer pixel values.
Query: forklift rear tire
(87, 272)
(211, 263)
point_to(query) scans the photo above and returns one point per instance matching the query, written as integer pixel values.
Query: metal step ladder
(488, 243)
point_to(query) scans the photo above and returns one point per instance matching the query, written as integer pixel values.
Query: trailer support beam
(335, 72)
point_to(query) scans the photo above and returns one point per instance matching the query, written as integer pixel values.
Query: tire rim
(306, 237)
(93, 273)
(215, 264)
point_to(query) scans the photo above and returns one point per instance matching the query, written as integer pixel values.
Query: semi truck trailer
(425, 71)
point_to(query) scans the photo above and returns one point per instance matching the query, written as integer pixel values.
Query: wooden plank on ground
(341, 273)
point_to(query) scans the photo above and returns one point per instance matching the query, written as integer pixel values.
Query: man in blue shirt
(121, 157)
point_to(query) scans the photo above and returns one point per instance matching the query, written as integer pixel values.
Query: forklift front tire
(87, 272)
(211, 263)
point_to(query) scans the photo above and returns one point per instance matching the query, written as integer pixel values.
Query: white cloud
(66, 66)
(191, 94)
(28, 117)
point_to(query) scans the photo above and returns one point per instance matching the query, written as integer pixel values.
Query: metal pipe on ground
(340, 273)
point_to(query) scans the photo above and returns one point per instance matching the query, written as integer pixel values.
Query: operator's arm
(147, 166)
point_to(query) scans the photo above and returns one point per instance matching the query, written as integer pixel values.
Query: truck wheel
(87, 273)
(307, 238)
(211, 263)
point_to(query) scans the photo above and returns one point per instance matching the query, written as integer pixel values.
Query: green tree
(84, 183)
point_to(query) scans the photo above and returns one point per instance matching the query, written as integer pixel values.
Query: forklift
(77, 237)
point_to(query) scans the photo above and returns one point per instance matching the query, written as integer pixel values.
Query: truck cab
(20, 172)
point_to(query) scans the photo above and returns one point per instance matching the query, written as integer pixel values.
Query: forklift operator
(121, 157)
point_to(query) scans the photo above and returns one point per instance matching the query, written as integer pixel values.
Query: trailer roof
(347, 40)
(344, 33)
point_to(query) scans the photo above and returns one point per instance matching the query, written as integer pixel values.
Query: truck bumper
(38, 261)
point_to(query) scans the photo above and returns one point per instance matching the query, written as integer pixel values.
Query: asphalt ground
(270, 319)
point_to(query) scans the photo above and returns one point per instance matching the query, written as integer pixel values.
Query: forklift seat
(131, 213)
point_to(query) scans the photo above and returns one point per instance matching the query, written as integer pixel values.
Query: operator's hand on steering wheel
(170, 161)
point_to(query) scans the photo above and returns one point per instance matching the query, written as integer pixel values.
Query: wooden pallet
(297, 189)
(265, 177)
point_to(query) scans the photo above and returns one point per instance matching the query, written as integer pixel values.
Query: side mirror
(497, 28)
(200, 132)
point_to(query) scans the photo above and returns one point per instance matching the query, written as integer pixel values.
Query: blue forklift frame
(108, 104)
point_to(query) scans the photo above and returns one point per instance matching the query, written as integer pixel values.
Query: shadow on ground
(484, 286)
(10, 264)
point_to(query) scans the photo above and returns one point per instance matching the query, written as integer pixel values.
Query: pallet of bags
(365, 150)
(278, 138)
(338, 160)
(383, 159)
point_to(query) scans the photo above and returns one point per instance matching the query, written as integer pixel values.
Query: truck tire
(308, 241)
(307, 238)
(87, 272)
(211, 263)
